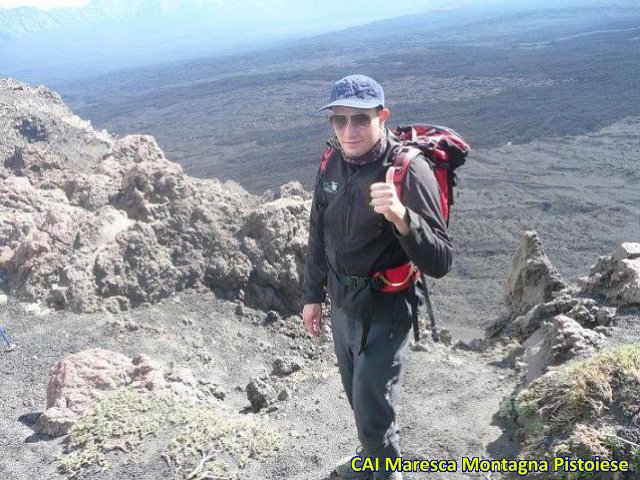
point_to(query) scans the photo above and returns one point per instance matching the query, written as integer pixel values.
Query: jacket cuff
(315, 297)
(408, 220)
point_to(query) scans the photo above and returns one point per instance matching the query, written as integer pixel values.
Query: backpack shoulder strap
(326, 155)
(401, 161)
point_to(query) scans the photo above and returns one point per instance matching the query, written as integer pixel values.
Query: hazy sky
(43, 4)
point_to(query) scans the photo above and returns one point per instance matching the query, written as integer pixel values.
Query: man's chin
(353, 152)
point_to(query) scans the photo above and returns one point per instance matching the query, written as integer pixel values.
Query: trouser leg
(373, 379)
(377, 385)
(342, 328)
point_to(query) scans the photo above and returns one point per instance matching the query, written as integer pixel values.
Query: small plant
(526, 403)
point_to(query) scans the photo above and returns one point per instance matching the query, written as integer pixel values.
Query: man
(358, 227)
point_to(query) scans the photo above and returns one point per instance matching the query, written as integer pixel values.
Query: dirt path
(447, 412)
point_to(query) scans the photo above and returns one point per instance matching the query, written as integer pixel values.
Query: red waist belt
(390, 280)
(396, 278)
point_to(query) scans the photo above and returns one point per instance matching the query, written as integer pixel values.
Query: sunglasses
(361, 120)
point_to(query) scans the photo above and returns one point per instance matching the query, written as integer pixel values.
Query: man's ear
(384, 114)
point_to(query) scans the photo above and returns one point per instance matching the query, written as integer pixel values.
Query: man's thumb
(390, 173)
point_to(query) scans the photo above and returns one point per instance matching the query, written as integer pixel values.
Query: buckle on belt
(352, 280)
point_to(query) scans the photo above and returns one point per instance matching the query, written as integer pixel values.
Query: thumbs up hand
(384, 200)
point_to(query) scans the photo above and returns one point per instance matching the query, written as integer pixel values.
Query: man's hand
(384, 200)
(312, 316)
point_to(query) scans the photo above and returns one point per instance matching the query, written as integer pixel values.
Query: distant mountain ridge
(41, 46)
(20, 22)
(65, 44)
(23, 21)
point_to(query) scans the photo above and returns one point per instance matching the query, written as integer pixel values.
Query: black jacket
(348, 237)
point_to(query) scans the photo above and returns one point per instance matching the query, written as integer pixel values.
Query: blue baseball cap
(358, 91)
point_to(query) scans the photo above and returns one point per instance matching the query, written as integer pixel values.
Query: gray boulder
(260, 393)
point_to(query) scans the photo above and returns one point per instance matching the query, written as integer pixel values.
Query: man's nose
(350, 129)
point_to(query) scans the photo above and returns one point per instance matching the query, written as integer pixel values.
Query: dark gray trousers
(372, 379)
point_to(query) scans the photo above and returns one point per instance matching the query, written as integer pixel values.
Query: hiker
(365, 245)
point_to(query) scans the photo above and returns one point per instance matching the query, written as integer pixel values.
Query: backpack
(443, 147)
(446, 151)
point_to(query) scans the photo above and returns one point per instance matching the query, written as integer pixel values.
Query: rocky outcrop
(532, 278)
(577, 396)
(88, 222)
(38, 131)
(79, 379)
(274, 238)
(583, 310)
(556, 342)
(616, 277)
(553, 321)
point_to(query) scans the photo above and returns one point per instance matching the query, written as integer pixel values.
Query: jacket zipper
(345, 216)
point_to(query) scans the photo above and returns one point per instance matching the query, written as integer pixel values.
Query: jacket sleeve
(315, 275)
(427, 243)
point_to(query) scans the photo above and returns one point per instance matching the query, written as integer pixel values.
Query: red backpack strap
(401, 163)
(325, 158)
(328, 153)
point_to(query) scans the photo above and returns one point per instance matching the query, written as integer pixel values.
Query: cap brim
(354, 103)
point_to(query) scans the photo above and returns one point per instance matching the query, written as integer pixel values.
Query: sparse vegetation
(203, 443)
(585, 410)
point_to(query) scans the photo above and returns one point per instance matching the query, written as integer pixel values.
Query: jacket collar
(393, 144)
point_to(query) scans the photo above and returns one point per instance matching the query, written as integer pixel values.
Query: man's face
(358, 137)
